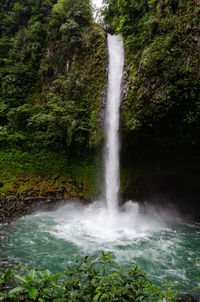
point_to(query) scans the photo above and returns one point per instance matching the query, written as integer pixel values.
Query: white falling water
(97, 4)
(115, 76)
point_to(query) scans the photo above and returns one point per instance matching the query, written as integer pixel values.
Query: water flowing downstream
(112, 179)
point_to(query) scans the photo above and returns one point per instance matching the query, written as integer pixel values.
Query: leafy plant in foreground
(98, 280)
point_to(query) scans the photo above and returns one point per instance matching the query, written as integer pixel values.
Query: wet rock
(18, 204)
(187, 298)
(101, 115)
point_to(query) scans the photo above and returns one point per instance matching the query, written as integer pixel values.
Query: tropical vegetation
(89, 280)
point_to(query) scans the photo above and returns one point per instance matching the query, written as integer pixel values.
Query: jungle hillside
(53, 76)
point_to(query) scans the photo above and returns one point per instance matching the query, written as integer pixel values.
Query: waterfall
(115, 76)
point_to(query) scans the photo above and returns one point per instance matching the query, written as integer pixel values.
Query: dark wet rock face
(23, 204)
(101, 116)
(160, 174)
(19, 206)
(187, 298)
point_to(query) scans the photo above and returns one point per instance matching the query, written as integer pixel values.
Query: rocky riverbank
(29, 193)
(23, 204)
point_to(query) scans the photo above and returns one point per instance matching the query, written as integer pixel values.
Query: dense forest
(53, 62)
(162, 41)
(53, 74)
(51, 52)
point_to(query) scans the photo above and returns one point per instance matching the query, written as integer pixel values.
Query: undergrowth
(90, 280)
(47, 171)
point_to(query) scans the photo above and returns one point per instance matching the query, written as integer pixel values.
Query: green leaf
(45, 290)
(33, 293)
(94, 282)
(32, 275)
(21, 279)
(96, 298)
(40, 274)
(16, 290)
(47, 273)
(58, 287)
(56, 277)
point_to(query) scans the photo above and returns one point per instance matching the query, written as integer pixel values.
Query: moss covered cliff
(162, 42)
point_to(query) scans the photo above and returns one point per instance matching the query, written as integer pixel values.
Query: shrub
(89, 280)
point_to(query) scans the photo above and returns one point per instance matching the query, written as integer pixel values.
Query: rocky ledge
(19, 204)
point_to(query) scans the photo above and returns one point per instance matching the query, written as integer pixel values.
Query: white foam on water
(164, 246)
(92, 227)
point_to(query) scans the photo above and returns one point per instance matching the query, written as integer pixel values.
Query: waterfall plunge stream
(161, 243)
(116, 62)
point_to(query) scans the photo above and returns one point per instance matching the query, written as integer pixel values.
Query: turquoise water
(160, 242)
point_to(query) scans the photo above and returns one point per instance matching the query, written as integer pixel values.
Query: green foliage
(52, 73)
(16, 83)
(47, 62)
(98, 280)
(44, 172)
(70, 32)
(162, 61)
